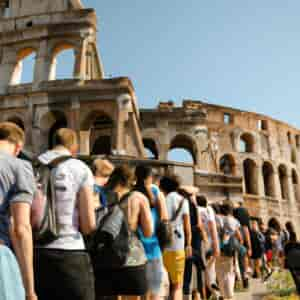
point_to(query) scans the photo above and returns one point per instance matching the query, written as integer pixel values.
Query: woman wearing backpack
(128, 280)
(181, 247)
(154, 269)
(229, 235)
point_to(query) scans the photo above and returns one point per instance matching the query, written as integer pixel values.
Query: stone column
(44, 65)
(84, 147)
(80, 61)
(260, 181)
(291, 192)
(7, 68)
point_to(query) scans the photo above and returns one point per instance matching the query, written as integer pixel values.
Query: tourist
(63, 269)
(289, 226)
(212, 248)
(194, 281)
(258, 247)
(102, 170)
(225, 264)
(174, 255)
(154, 270)
(128, 280)
(17, 190)
(242, 215)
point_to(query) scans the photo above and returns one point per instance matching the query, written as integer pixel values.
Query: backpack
(113, 245)
(227, 241)
(43, 210)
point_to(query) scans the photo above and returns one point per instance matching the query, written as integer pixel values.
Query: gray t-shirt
(173, 201)
(69, 177)
(17, 184)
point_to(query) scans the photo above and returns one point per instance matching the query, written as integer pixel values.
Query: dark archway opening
(250, 177)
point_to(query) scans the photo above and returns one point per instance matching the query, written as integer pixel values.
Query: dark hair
(216, 208)
(290, 227)
(293, 237)
(141, 174)
(274, 224)
(122, 175)
(201, 201)
(226, 209)
(169, 183)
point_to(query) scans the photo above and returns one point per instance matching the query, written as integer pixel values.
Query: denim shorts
(154, 275)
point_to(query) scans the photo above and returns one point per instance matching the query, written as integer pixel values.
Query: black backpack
(109, 244)
(228, 246)
(44, 220)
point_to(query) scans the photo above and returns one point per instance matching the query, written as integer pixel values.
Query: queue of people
(123, 232)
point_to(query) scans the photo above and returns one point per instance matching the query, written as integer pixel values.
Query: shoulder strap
(55, 162)
(178, 210)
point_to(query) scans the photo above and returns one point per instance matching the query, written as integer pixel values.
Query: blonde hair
(12, 133)
(65, 137)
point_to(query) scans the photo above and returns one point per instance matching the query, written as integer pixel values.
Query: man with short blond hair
(17, 187)
(63, 268)
(102, 169)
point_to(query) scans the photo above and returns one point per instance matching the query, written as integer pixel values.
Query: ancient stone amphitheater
(236, 154)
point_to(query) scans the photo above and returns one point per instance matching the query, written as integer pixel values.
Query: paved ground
(256, 292)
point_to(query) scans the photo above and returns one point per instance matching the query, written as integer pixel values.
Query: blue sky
(243, 54)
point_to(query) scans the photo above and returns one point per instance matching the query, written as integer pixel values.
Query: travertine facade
(236, 154)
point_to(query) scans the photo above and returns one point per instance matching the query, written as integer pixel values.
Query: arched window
(283, 178)
(63, 62)
(101, 133)
(250, 177)
(293, 156)
(295, 180)
(247, 143)
(183, 149)
(49, 124)
(269, 180)
(227, 164)
(151, 148)
(24, 69)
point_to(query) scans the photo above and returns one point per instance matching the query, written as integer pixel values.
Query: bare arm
(214, 234)
(87, 220)
(145, 218)
(247, 239)
(21, 236)
(188, 234)
(162, 207)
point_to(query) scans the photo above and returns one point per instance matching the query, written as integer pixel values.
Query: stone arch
(50, 122)
(151, 145)
(250, 176)
(296, 186)
(269, 179)
(284, 182)
(64, 69)
(293, 156)
(101, 127)
(247, 142)
(227, 164)
(24, 67)
(185, 143)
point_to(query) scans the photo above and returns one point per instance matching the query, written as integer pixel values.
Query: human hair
(102, 167)
(293, 237)
(202, 201)
(122, 175)
(65, 137)
(12, 133)
(290, 227)
(141, 174)
(169, 183)
(274, 224)
(216, 208)
(227, 209)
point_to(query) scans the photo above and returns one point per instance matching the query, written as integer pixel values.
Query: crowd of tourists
(68, 231)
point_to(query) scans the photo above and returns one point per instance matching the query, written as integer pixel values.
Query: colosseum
(236, 154)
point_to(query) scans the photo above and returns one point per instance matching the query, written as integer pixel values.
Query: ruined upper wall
(21, 8)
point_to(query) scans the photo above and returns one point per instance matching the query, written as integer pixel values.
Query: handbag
(165, 230)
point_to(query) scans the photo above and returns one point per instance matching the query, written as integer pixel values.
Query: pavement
(256, 291)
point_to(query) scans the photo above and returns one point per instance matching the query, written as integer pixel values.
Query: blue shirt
(151, 244)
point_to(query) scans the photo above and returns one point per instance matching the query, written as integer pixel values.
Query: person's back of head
(274, 224)
(226, 209)
(122, 176)
(67, 138)
(12, 137)
(169, 184)
(102, 167)
(202, 201)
